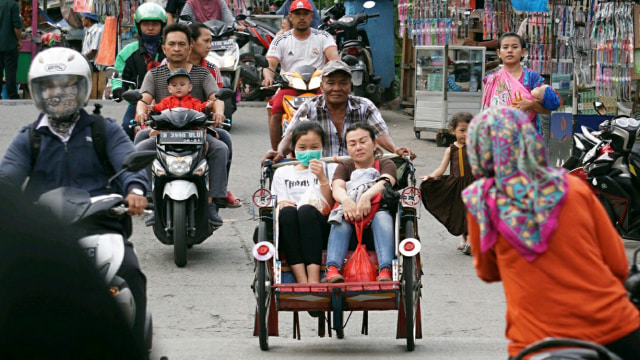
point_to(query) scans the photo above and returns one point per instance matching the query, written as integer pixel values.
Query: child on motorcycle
(179, 85)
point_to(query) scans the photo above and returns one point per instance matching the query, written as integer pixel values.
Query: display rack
(445, 86)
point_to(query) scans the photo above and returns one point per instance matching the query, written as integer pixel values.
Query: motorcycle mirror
(136, 161)
(224, 94)
(599, 107)
(262, 61)
(369, 4)
(139, 160)
(350, 60)
(185, 18)
(241, 17)
(112, 72)
(132, 96)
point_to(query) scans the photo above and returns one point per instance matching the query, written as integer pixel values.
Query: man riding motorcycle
(60, 81)
(301, 45)
(137, 58)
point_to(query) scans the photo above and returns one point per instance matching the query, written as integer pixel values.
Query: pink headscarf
(206, 9)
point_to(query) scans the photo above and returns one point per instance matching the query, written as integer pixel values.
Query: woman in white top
(304, 199)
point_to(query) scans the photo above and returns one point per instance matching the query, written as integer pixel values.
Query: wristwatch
(137, 191)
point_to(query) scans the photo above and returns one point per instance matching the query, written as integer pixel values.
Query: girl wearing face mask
(304, 199)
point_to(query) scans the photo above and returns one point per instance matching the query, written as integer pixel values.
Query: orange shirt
(573, 290)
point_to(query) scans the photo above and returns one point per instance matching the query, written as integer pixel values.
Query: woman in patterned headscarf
(547, 238)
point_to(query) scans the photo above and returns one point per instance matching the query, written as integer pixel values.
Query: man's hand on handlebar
(218, 119)
(273, 156)
(267, 82)
(402, 151)
(141, 117)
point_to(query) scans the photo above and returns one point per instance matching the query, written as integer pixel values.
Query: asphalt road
(206, 309)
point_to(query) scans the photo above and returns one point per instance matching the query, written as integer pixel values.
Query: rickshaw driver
(336, 110)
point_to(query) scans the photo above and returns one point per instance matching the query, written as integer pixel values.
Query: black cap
(178, 72)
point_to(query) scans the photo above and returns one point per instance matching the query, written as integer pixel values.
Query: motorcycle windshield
(66, 204)
(179, 118)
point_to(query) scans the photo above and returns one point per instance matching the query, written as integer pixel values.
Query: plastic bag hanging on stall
(107, 50)
(359, 267)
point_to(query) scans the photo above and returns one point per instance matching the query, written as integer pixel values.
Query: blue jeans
(383, 239)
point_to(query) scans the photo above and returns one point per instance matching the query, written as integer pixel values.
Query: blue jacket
(74, 164)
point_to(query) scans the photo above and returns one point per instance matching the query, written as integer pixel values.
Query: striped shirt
(217, 76)
(155, 83)
(359, 109)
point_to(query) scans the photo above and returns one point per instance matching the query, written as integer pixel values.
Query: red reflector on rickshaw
(409, 246)
(263, 250)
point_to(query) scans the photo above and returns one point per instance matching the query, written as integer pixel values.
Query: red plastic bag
(359, 267)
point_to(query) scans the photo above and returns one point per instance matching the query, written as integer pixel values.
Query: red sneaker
(384, 275)
(333, 275)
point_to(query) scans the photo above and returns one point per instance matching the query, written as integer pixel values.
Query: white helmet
(60, 80)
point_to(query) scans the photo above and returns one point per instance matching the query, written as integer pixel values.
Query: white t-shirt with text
(290, 184)
(293, 52)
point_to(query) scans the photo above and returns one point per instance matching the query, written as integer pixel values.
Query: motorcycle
(304, 79)
(611, 168)
(573, 349)
(587, 138)
(225, 54)
(261, 33)
(180, 178)
(105, 249)
(354, 41)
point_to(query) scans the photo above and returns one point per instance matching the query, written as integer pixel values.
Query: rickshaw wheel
(263, 306)
(409, 277)
(180, 233)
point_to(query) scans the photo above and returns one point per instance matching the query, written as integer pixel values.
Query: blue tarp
(529, 5)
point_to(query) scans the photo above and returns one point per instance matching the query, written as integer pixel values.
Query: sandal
(467, 249)
(460, 246)
(228, 202)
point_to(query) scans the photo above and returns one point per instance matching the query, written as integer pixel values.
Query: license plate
(296, 101)
(221, 44)
(181, 137)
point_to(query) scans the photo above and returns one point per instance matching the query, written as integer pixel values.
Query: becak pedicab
(276, 291)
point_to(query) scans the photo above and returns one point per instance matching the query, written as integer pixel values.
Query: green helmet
(150, 11)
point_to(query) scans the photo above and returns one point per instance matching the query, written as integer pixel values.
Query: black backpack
(98, 135)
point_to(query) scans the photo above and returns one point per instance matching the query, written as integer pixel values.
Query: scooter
(354, 41)
(225, 54)
(105, 249)
(304, 79)
(611, 168)
(587, 138)
(261, 33)
(180, 178)
(572, 349)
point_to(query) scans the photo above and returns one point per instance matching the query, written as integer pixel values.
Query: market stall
(586, 49)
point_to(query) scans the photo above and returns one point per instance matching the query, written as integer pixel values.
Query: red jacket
(188, 102)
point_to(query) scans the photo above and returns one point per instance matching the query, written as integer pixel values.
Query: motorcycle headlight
(297, 83)
(178, 165)
(356, 77)
(202, 169)
(228, 61)
(315, 82)
(157, 168)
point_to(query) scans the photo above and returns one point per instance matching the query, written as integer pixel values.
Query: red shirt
(188, 102)
(215, 72)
